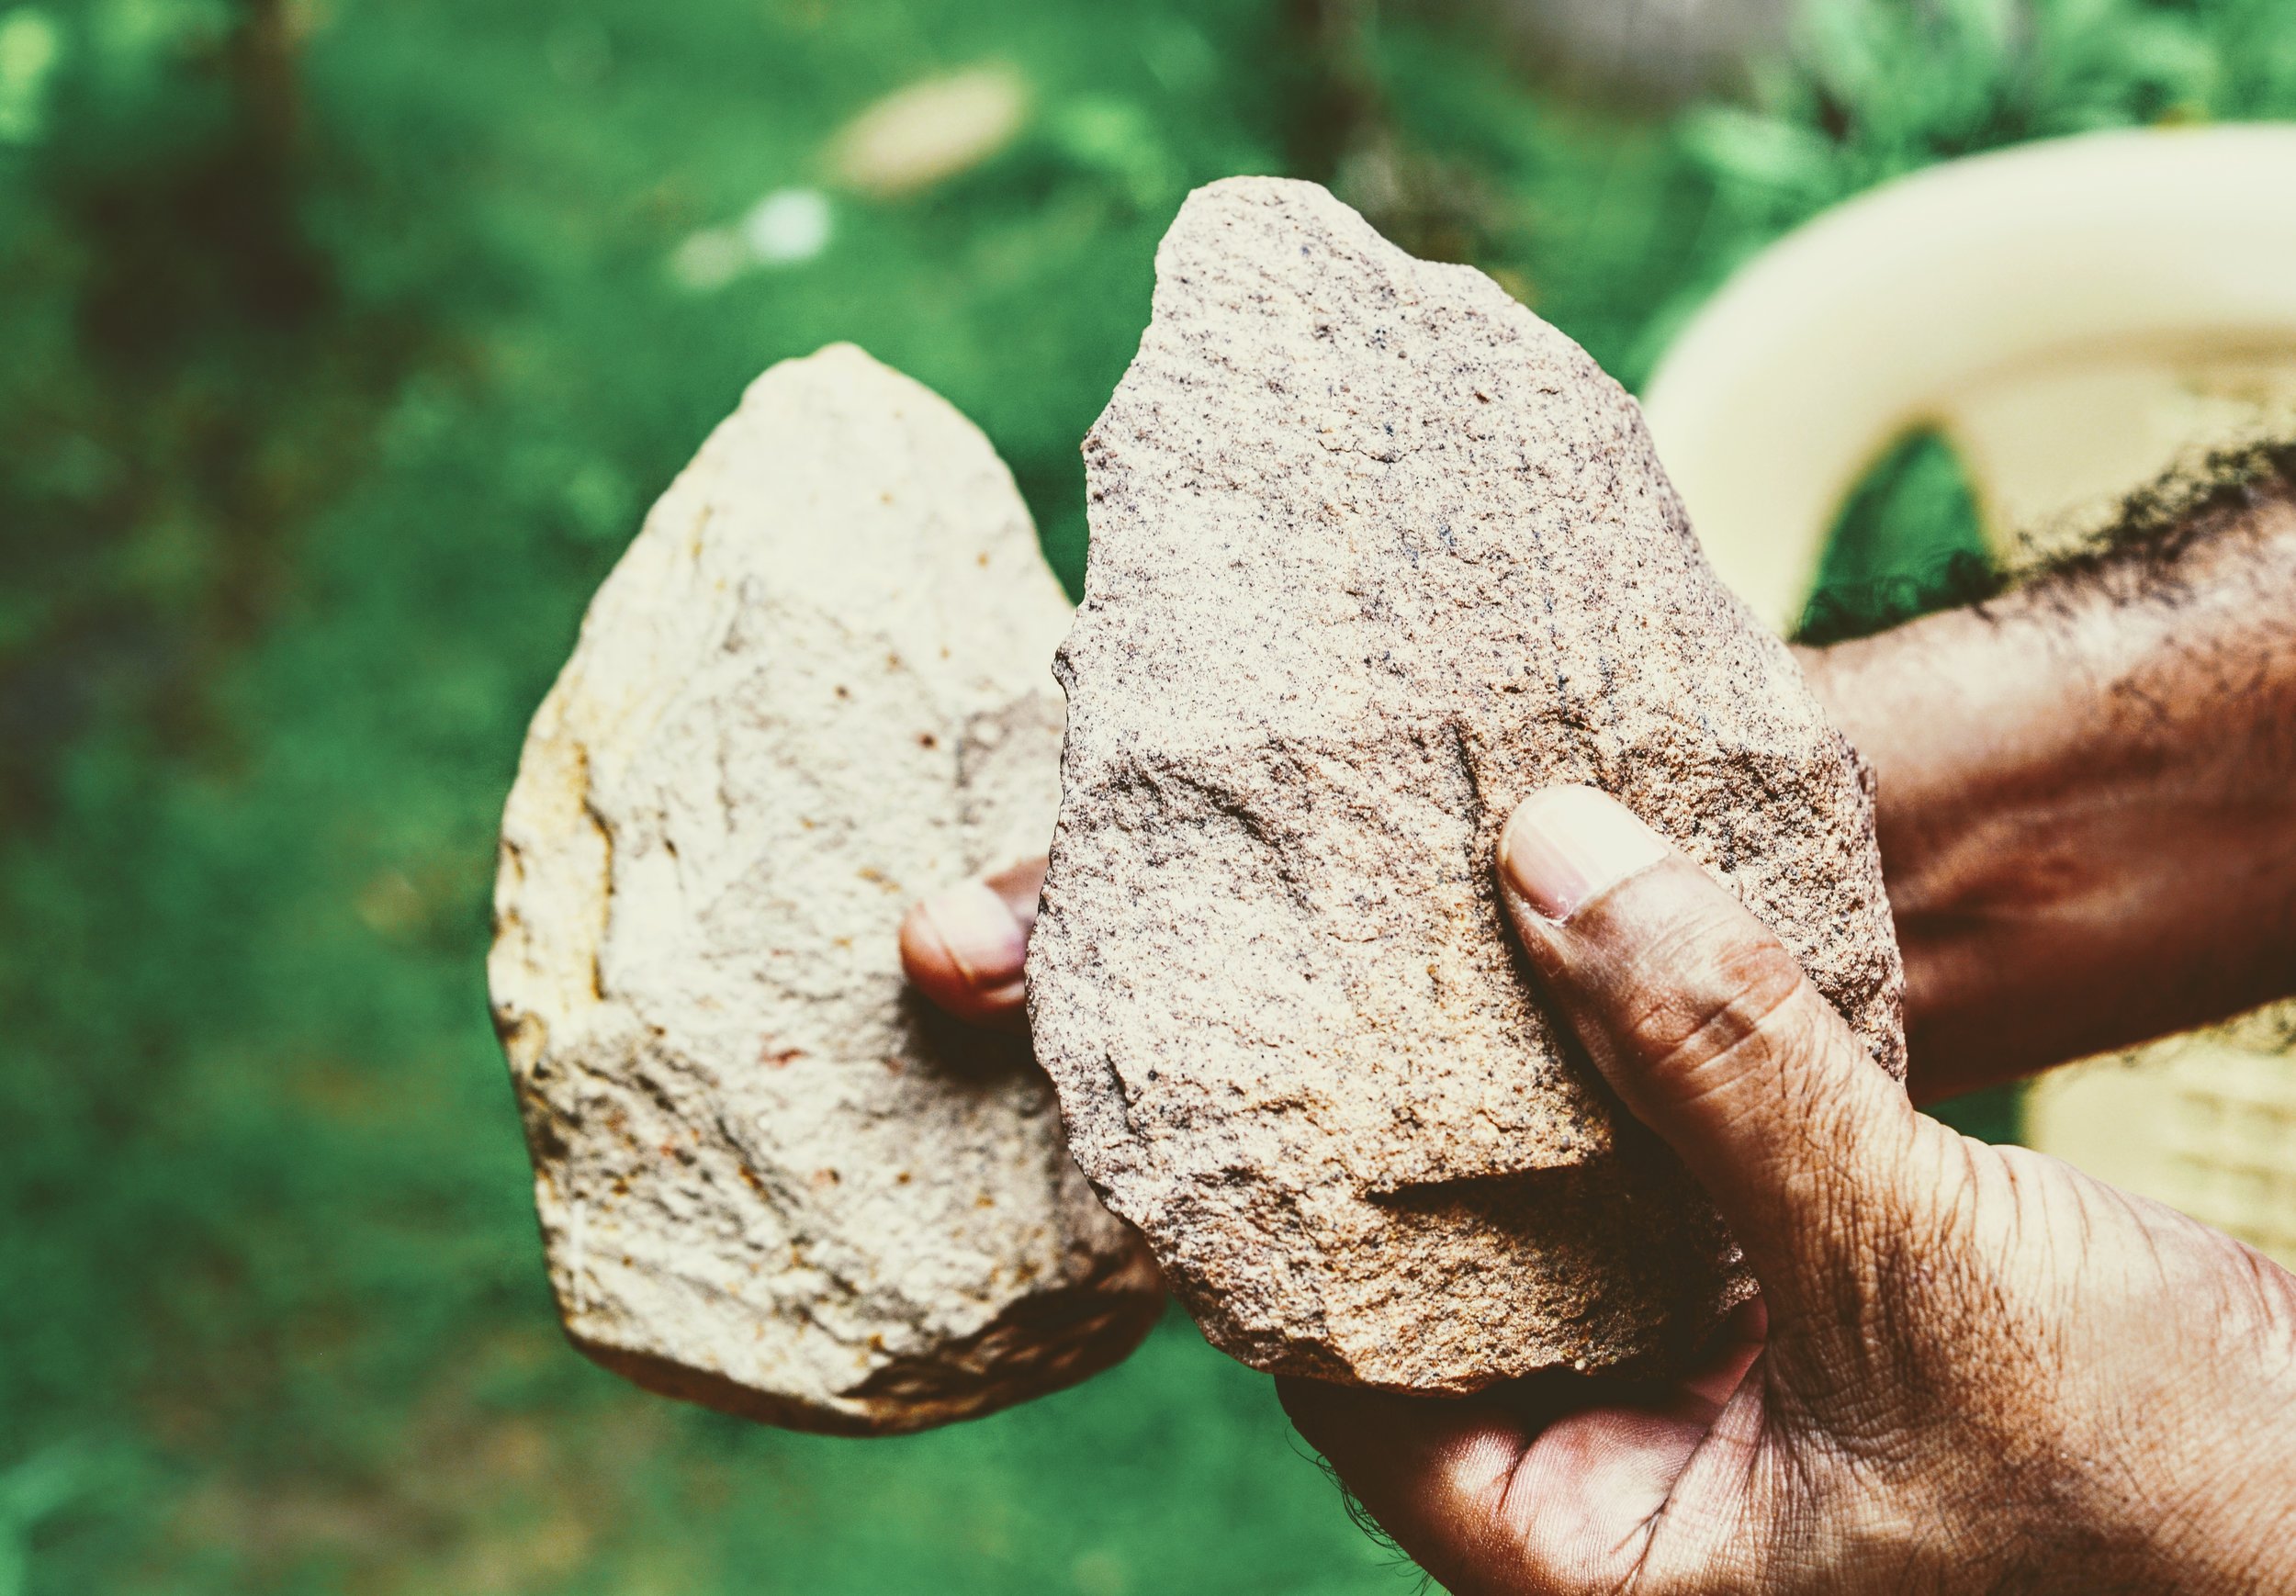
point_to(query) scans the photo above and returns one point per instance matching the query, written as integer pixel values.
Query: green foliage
(1881, 87)
(1908, 541)
(346, 343)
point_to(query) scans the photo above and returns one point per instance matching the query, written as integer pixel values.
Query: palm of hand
(1989, 1384)
(1971, 1369)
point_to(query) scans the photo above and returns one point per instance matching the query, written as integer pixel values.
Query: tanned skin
(2088, 795)
(1970, 1368)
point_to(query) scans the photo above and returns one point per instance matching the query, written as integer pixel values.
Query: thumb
(1709, 1033)
(965, 948)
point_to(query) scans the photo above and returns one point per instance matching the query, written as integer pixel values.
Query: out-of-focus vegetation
(345, 343)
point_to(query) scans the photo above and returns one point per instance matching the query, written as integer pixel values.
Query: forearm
(2088, 797)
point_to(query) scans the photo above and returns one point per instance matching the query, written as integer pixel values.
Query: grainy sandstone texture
(1374, 554)
(813, 691)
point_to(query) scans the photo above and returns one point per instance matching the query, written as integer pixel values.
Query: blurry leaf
(138, 37)
(1909, 539)
(600, 502)
(1180, 56)
(930, 131)
(1118, 140)
(709, 258)
(789, 227)
(31, 46)
(1751, 148)
(35, 1490)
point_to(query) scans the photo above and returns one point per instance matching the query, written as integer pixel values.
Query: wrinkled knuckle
(1736, 1005)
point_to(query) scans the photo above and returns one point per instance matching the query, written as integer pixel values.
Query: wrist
(2087, 801)
(1966, 796)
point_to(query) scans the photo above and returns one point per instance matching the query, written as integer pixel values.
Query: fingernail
(985, 940)
(1566, 845)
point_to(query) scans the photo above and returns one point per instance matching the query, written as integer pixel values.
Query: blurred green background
(343, 343)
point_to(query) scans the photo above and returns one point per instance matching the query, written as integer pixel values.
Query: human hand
(965, 948)
(1981, 1371)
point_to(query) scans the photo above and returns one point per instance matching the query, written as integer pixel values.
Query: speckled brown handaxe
(1376, 553)
(815, 687)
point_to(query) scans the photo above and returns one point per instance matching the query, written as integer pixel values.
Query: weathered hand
(1983, 1371)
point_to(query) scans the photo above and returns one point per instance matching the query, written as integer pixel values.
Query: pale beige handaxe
(815, 690)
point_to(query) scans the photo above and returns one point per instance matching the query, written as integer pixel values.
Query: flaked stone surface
(1376, 553)
(814, 689)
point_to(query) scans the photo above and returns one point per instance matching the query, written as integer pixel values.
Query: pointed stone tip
(1289, 230)
(1219, 204)
(839, 363)
(1269, 191)
(843, 352)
